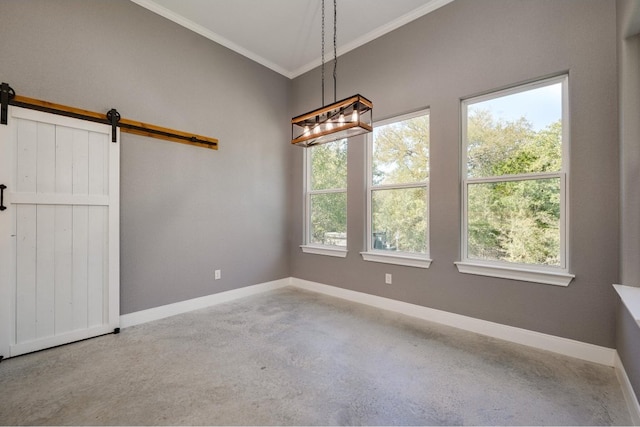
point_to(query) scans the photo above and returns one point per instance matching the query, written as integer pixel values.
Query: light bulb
(306, 131)
(329, 125)
(354, 116)
(341, 118)
(316, 129)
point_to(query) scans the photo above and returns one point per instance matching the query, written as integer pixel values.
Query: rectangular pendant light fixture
(342, 119)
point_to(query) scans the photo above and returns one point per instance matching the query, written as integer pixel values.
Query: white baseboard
(564, 346)
(580, 350)
(628, 392)
(168, 310)
(592, 353)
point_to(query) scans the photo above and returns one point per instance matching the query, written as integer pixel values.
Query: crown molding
(199, 29)
(291, 74)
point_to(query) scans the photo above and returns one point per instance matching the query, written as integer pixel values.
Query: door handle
(2, 188)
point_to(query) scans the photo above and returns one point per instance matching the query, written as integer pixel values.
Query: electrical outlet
(218, 274)
(388, 279)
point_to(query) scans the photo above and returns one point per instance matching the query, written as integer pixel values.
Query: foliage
(401, 157)
(401, 152)
(498, 147)
(400, 219)
(516, 219)
(329, 210)
(511, 216)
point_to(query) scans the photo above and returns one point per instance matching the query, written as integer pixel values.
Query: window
(514, 183)
(398, 191)
(326, 199)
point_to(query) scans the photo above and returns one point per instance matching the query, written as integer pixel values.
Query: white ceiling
(285, 35)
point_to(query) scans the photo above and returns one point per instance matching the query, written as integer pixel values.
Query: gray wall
(628, 346)
(462, 49)
(628, 332)
(629, 74)
(185, 211)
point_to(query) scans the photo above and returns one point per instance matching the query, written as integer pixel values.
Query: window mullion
(517, 229)
(519, 177)
(328, 191)
(398, 242)
(399, 186)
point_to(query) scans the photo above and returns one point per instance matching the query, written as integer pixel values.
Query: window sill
(546, 277)
(407, 260)
(630, 296)
(324, 250)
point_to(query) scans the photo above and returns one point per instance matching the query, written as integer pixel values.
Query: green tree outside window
(514, 177)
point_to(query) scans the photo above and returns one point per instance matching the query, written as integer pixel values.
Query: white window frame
(399, 258)
(550, 275)
(309, 247)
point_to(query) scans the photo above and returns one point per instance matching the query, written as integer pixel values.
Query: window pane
(516, 134)
(516, 221)
(401, 152)
(399, 220)
(329, 165)
(328, 225)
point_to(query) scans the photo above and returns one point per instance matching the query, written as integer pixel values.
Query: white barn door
(59, 233)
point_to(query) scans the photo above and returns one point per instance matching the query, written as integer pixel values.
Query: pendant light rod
(342, 119)
(335, 50)
(323, 104)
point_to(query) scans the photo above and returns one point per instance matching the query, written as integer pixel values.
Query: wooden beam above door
(125, 125)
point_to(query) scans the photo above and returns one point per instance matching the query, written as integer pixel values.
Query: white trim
(370, 254)
(327, 191)
(630, 296)
(425, 111)
(308, 246)
(537, 273)
(199, 29)
(567, 347)
(537, 176)
(291, 74)
(565, 193)
(306, 199)
(407, 185)
(518, 88)
(564, 346)
(627, 390)
(557, 278)
(372, 35)
(580, 350)
(324, 250)
(169, 310)
(397, 258)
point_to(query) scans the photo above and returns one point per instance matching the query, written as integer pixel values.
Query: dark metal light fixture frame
(342, 119)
